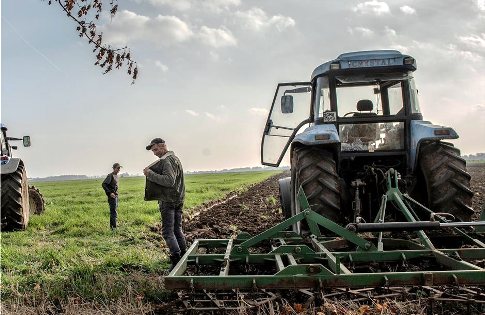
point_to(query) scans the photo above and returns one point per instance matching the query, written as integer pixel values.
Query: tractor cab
(361, 103)
(6, 148)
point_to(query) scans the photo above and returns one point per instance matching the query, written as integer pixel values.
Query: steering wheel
(350, 113)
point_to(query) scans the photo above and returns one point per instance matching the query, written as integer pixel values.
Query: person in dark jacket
(165, 183)
(110, 186)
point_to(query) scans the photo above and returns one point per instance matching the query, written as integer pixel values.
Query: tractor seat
(364, 132)
(364, 108)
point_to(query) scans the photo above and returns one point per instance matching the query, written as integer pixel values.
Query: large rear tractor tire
(315, 170)
(446, 180)
(15, 200)
(36, 200)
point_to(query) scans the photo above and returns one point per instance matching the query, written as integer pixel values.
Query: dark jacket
(110, 184)
(165, 180)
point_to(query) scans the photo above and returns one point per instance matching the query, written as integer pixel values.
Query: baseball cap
(116, 165)
(154, 141)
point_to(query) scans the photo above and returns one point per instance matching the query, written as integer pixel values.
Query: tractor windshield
(382, 99)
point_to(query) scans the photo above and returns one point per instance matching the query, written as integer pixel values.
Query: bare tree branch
(86, 14)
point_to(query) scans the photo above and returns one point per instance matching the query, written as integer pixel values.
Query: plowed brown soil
(253, 211)
(477, 171)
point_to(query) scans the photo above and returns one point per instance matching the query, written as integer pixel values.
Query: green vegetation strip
(69, 250)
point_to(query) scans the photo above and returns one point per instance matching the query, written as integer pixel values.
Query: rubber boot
(174, 259)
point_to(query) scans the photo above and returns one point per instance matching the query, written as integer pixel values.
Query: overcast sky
(208, 71)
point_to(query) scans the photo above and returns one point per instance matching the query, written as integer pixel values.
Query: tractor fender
(318, 135)
(322, 135)
(11, 166)
(422, 131)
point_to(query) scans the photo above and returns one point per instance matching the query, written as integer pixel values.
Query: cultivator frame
(353, 259)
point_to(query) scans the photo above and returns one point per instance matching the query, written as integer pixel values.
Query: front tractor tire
(15, 200)
(284, 185)
(36, 201)
(315, 170)
(446, 180)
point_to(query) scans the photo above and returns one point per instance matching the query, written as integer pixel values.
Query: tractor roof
(365, 60)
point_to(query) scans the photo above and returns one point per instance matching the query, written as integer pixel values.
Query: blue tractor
(362, 118)
(18, 199)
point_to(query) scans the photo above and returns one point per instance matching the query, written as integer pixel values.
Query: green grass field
(69, 250)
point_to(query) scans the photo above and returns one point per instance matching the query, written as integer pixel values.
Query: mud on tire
(315, 170)
(446, 180)
(15, 200)
(36, 200)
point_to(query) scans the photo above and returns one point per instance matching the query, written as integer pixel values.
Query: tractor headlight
(408, 61)
(335, 66)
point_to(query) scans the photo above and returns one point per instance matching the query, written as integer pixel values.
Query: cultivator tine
(226, 263)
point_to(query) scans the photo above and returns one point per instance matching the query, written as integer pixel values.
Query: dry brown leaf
(364, 309)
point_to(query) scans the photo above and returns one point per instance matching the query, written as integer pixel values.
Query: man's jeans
(113, 205)
(172, 227)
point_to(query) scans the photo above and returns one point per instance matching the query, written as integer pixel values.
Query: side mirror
(287, 104)
(26, 140)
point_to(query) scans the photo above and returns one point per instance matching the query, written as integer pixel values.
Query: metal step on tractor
(19, 199)
(377, 200)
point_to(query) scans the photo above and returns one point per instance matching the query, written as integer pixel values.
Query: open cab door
(290, 110)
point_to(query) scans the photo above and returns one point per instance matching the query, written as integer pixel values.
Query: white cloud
(407, 9)
(258, 111)
(181, 5)
(362, 31)
(372, 7)
(475, 41)
(161, 66)
(163, 30)
(191, 112)
(212, 116)
(184, 5)
(464, 54)
(257, 20)
(281, 22)
(390, 31)
(401, 48)
(219, 5)
(471, 56)
(481, 4)
(217, 37)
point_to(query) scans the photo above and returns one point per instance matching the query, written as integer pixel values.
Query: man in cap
(165, 183)
(110, 186)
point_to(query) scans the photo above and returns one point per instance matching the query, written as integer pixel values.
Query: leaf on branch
(113, 10)
(135, 73)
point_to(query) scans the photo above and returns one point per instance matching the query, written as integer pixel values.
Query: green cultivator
(358, 256)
